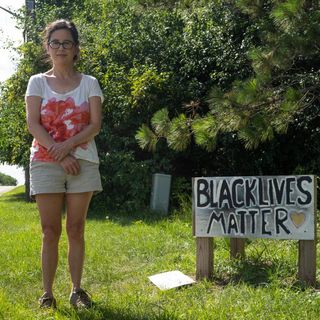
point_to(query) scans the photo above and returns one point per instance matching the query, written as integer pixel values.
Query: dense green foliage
(6, 180)
(284, 59)
(211, 77)
(277, 102)
(15, 140)
(149, 60)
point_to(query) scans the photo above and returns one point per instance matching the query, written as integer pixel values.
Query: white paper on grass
(171, 279)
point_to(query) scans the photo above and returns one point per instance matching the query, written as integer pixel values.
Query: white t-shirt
(64, 115)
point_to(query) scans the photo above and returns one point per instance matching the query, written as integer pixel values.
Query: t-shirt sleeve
(95, 90)
(34, 87)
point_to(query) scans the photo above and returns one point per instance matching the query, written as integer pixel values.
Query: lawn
(122, 250)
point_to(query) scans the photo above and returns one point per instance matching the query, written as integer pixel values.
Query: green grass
(122, 251)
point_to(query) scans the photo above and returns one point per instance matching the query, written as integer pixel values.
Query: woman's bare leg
(50, 208)
(77, 208)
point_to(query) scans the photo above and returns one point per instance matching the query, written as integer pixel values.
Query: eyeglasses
(54, 44)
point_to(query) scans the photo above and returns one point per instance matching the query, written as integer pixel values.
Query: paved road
(4, 189)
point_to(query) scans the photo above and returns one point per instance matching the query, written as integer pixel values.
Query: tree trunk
(27, 183)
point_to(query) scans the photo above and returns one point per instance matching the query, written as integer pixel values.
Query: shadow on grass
(248, 271)
(126, 218)
(102, 312)
(98, 212)
(14, 196)
(260, 273)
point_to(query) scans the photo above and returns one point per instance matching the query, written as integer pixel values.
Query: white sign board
(276, 207)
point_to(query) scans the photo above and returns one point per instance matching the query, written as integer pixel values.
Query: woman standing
(63, 116)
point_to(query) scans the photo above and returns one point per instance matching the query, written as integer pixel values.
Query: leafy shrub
(6, 180)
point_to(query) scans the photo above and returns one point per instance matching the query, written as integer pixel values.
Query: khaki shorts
(49, 177)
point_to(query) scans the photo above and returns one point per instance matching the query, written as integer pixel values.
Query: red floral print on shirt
(62, 119)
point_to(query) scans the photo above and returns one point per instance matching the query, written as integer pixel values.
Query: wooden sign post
(275, 207)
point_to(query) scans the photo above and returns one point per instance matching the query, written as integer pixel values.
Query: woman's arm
(33, 105)
(59, 150)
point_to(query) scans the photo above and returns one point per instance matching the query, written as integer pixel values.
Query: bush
(6, 180)
(149, 59)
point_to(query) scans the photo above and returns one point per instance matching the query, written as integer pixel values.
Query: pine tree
(284, 83)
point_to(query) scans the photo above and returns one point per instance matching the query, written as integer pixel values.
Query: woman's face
(61, 47)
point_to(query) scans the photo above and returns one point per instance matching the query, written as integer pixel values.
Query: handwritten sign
(277, 207)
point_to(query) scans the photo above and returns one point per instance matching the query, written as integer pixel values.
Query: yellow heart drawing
(298, 218)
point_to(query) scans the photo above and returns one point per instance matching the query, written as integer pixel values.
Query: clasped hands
(60, 151)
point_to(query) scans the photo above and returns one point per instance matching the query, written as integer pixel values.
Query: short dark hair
(58, 25)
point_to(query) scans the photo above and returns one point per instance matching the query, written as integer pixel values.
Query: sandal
(46, 301)
(80, 299)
